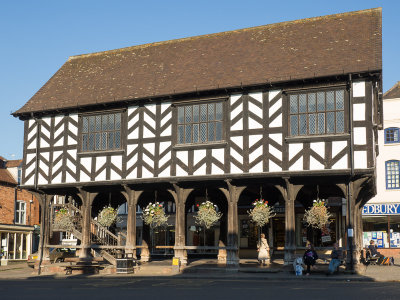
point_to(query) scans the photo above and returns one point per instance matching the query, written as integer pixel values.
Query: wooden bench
(85, 267)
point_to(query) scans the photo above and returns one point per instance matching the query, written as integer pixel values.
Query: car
(56, 255)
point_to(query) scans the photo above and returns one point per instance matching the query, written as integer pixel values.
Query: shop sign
(381, 209)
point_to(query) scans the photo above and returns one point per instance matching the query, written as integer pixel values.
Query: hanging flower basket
(261, 213)
(207, 215)
(154, 215)
(107, 216)
(318, 215)
(63, 220)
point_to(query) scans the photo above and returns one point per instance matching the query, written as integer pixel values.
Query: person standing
(309, 257)
(335, 262)
(263, 250)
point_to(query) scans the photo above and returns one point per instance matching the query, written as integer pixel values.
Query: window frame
(18, 212)
(200, 144)
(395, 129)
(392, 175)
(101, 113)
(307, 113)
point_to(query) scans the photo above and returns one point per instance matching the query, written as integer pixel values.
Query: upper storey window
(392, 174)
(101, 132)
(392, 135)
(315, 113)
(200, 123)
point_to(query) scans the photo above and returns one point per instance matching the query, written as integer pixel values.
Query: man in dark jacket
(374, 252)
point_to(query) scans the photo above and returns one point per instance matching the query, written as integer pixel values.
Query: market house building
(381, 215)
(288, 112)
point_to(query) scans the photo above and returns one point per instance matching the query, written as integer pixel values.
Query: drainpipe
(349, 190)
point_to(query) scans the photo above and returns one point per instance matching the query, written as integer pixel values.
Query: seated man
(374, 252)
(336, 255)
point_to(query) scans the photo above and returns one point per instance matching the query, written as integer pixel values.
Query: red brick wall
(7, 202)
(390, 252)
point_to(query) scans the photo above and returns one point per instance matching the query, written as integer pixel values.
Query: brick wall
(390, 252)
(7, 203)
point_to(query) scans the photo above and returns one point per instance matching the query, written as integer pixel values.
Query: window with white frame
(392, 135)
(316, 113)
(20, 212)
(200, 123)
(392, 174)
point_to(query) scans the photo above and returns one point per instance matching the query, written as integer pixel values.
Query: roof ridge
(397, 84)
(311, 19)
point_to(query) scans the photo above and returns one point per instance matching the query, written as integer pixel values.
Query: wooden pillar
(131, 197)
(232, 194)
(180, 196)
(87, 200)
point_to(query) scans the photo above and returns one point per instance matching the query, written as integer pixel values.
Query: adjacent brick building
(19, 214)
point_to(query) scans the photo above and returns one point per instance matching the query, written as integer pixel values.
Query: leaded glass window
(200, 123)
(392, 174)
(315, 113)
(392, 135)
(101, 132)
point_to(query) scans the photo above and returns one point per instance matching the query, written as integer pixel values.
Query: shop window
(384, 230)
(20, 212)
(200, 123)
(392, 174)
(101, 132)
(392, 135)
(317, 113)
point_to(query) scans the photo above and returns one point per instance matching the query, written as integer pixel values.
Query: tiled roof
(394, 92)
(13, 163)
(6, 177)
(322, 46)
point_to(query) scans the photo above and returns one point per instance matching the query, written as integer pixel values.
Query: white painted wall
(391, 114)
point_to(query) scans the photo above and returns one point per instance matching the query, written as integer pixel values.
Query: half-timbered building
(287, 112)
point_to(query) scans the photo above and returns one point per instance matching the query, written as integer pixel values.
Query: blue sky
(37, 37)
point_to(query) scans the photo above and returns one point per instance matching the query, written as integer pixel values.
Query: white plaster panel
(71, 165)
(73, 129)
(360, 135)
(131, 148)
(235, 169)
(56, 155)
(215, 170)
(236, 111)
(166, 118)
(41, 179)
(132, 161)
(183, 156)
(149, 120)
(337, 147)
(253, 139)
(57, 179)
(256, 153)
(71, 140)
(72, 153)
(258, 168)
(134, 134)
(132, 109)
(150, 147)
(359, 112)
(274, 108)
(30, 169)
(59, 143)
(57, 166)
(180, 171)
(294, 149)
(58, 119)
(147, 133)
(32, 145)
(167, 131)
(201, 170)
(236, 155)
(44, 167)
(318, 148)
(151, 107)
(341, 164)
(100, 161)
(198, 155)
(101, 176)
(69, 177)
(255, 109)
(273, 94)
(31, 122)
(32, 133)
(235, 98)
(114, 175)
(147, 160)
(166, 158)
(30, 157)
(47, 120)
(238, 140)
(165, 106)
(43, 143)
(298, 165)
(86, 162)
(253, 124)
(273, 167)
(360, 159)
(30, 181)
(60, 130)
(74, 117)
(275, 152)
(237, 126)
(359, 89)
(116, 160)
(45, 132)
(132, 174)
(84, 177)
(45, 155)
(219, 154)
(277, 137)
(165, 173)
(315, 164)
(277, 122)
(257, 96)
(164, 146)
(133, 121)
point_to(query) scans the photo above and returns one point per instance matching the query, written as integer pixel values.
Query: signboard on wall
(381, 209)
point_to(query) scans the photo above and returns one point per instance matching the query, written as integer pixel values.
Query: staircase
(99, 235)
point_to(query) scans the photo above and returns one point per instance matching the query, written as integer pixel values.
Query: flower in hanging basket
(107, 216)
(207, 215)
(154, 215)
(261, 212)
(63, 220)
(318, 215)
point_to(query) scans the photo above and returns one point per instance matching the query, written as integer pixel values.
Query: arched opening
(199, 235)
(159, 240)
(249, 232)
(333, 197)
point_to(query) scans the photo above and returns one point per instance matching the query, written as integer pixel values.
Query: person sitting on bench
(336, 255)
(374, 252)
